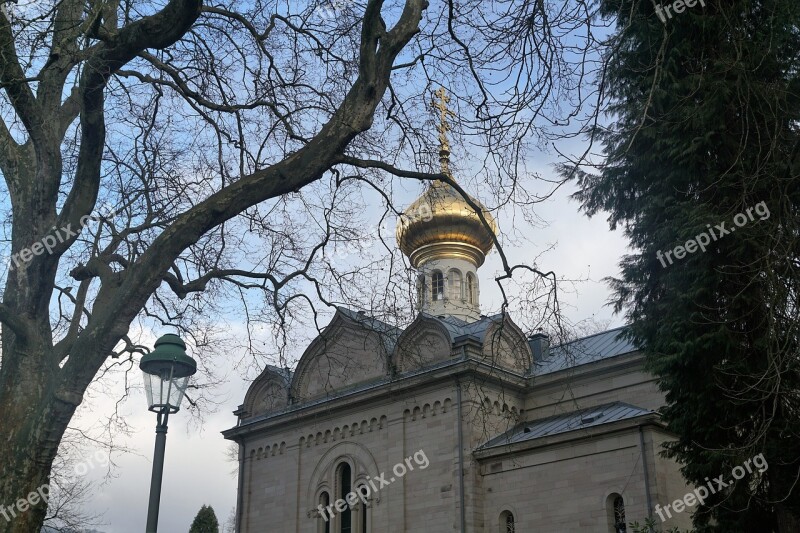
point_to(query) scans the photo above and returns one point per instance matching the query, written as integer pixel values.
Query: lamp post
(166, 375)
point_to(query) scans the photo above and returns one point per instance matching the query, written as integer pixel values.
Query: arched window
(437, 285)
(421, 291)
(454, 285)
(364, 492)
(345, 486)
(616, 514)
(507, 522)
(471, 288)
(325, 519)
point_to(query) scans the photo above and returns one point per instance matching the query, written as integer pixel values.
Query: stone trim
(264, 452)
(427, 409)
(347, 430)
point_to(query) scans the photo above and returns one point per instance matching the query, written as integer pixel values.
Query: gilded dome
(441, 223)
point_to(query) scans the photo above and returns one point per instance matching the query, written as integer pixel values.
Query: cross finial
(440, 104)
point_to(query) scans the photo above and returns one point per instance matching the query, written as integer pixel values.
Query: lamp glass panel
(163, 392)
(179, 386)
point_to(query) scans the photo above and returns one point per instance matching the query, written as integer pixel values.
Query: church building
(459, 422)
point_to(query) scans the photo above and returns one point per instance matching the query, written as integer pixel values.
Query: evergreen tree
(205, 521)
(705, 110)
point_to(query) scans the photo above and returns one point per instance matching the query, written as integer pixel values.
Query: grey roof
(285, 373)
(348, 391)
(582, 351)
(388, 333)
(460, 328)
(589, 349)
(575, 420)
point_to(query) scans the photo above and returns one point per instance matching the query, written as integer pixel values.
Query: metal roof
(582, 351)
(347, 391)
(575, 420)
(285, 373)
(568, 355)
(389, 334)
(586, 350)
(459, 328)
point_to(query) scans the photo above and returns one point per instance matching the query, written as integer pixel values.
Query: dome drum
(447, 250)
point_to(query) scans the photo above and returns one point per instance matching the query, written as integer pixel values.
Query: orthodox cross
(440, 105)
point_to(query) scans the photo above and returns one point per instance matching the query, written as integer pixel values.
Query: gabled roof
(573, 421)
(460, 328)
(285, 373)
(589, 349)
(388, 333)
(575, 353)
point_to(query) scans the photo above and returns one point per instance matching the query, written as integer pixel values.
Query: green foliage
(705, 112)
(650, 526)
(205, 521)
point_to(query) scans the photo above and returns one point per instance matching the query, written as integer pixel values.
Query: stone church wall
(567, 487)
(563, 483)
(615, 380)
(284, 487)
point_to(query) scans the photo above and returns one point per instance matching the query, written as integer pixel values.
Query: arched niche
(424, 342)
(506, 346)
(269, 392)
(346, 353)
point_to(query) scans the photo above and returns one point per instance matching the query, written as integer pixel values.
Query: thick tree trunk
(32, 424)
(23, 495)
(41, 385)
(31, 420)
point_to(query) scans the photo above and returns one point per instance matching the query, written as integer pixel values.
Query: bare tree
(234, 143)
(230, 523)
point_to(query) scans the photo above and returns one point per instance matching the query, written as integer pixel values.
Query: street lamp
(166, 375)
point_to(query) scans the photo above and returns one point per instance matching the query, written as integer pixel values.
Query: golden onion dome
(441, 223)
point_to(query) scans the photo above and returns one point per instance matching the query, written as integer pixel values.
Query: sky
(196, 471)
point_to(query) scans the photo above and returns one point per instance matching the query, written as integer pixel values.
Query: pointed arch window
(345, 478)
(454, 285)
(437, 285)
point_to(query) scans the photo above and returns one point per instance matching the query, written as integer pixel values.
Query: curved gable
(424, 342)
(506, 346)
(268, 392)
(344, 354)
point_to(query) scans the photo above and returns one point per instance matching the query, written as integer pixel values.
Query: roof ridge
(567, 422)
(590, 336)
(362, 316)
(582, 410)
